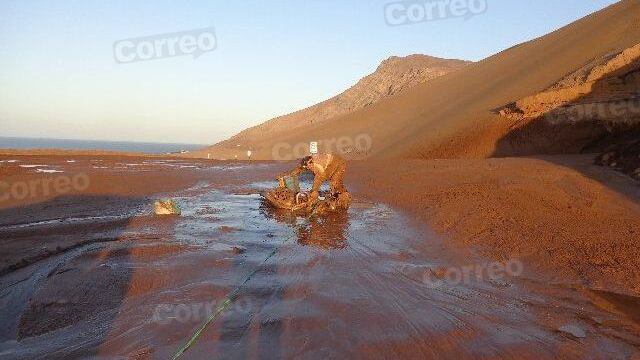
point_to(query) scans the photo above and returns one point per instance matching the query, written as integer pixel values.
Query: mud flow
(363, 283)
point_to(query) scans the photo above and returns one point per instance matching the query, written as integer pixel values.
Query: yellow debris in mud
(166, 207)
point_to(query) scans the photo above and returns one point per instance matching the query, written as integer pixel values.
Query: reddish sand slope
(455, 115)
(586, 111)
(393, 76)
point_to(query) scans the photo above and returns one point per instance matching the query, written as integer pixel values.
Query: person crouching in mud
(325, 167)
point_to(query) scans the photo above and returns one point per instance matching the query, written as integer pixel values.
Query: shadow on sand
(607, 116)
(60, 292)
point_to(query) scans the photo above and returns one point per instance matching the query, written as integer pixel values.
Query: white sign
(249, 153)
(313, 147)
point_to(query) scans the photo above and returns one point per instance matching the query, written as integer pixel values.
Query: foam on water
(49, 171)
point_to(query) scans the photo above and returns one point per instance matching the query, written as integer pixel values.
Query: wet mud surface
(363, 283)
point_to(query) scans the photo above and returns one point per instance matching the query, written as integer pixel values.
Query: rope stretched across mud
(229, 299)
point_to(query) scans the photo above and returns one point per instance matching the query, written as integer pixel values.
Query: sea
(68, 144)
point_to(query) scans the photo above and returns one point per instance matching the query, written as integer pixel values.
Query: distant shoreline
(77, 152)
(7, 153)
(42, 146)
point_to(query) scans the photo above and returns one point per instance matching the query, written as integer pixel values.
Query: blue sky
(59, 78)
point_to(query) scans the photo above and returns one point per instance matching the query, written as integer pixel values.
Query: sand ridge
(454, 115)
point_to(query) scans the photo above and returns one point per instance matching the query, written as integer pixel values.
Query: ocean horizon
(70, 144)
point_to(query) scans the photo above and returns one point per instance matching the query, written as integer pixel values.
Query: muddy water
(366, 283)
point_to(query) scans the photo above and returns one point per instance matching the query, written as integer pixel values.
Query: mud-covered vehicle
(288, 196)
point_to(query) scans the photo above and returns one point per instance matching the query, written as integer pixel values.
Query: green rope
(222, 307)
(229, 299)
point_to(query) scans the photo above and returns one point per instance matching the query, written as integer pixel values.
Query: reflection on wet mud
(327, 230)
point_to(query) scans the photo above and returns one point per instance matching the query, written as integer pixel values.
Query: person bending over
(325, 167)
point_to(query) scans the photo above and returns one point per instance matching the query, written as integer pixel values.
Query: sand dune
(454, 116)
(393, 76)
(587, 111)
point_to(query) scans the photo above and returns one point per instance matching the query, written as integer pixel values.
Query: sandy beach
(94, 273)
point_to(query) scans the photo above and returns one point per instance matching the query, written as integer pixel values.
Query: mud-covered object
(284, 198)
(340, 202)
(166, 207)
